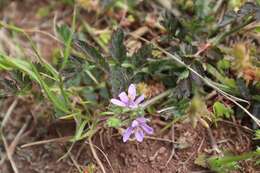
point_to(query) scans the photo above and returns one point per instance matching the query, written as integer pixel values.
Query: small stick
(8, 113)
(173, 147)
(62, 139)
(213, 141)
(243, 127)
(19, 135)
(8, 152)
(237, 129)
(109, 163)
(95, 155)
(9, 155)
(155, 99)
(161, 139)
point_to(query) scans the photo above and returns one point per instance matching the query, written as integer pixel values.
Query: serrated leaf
(117, 47)
(118, 79)
(140, 57)
(92, 53)
(248, 9)
(171, 23)
(183, 75)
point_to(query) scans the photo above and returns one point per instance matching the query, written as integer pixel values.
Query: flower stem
(155, 99)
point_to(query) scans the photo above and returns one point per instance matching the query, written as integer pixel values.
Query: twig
(8, 152)
(213, 141)
(9, 155)
(218, 5)
(109, 163)
(62, 139)
(68, 152)
(243, 127)
(173, 146)
(161, 139)
(8, 113)
(237, 129)
(198, 150)
(72, 158)
(210, 95)
(18, 136)
(95, 154)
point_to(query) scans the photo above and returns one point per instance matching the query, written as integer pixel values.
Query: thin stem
(91, 145)
(155, 99)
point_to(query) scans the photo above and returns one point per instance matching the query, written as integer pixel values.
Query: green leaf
(202, 8)
(43, 11)
(223, 64)
(257, 29)
(28, 68)
(118, 79)
(67, 36)
(257, 135)
(228, 162)
(223, 79)
(64, 32)
(140, 57)
(183, 75)
(80, 130)
(114, 122)
(93, 53)
(221, 111)
(117, 47)
(258, 2)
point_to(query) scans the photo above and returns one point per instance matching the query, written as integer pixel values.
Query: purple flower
(138, 127)
(128, 100)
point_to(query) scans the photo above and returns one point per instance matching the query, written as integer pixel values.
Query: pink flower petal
(123, 97)
(132, 91)
(139, 135)
(141, 120)
(147, 129)
(135, 124)
(118, 102)
(139, 99)
(127, 134)
(133, 105)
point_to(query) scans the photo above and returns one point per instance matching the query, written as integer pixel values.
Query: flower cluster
(138, 126)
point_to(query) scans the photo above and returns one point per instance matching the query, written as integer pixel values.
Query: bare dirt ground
(151, 156)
